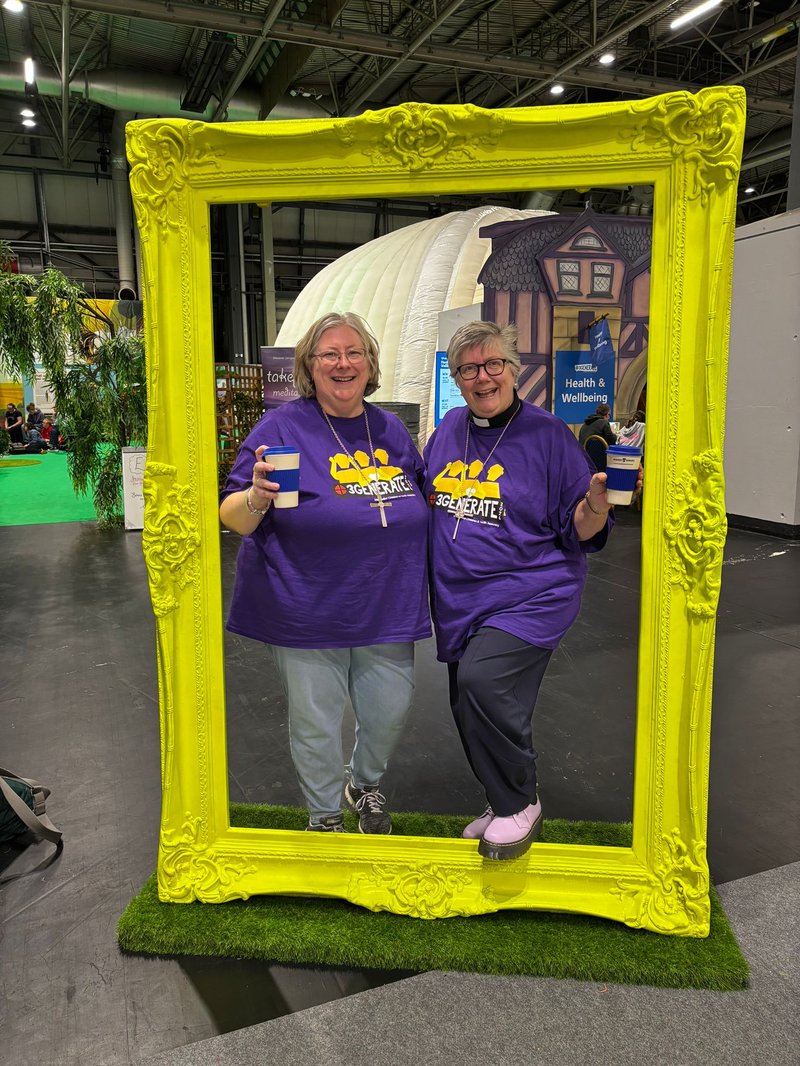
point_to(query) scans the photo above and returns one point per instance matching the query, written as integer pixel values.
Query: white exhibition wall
(762, 435)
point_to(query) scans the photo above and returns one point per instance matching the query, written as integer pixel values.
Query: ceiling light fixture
(556, 90)
(607, 58)
(30, 72)
(28, 122)
(27, 113)
(694, 13)
(749, 189)
(14, 6)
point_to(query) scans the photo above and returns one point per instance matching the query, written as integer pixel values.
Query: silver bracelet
(250, 508)
(593, 509)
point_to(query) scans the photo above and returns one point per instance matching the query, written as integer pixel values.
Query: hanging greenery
(95, 369)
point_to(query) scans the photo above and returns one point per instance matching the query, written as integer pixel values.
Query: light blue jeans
(379, 680)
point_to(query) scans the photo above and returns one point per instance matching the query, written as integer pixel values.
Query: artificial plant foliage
(94, 366)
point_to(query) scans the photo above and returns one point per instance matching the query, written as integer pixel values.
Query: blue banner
(585, 379)
(446, 393)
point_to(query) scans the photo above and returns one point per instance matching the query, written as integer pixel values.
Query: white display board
(133, 460)
(42, 396)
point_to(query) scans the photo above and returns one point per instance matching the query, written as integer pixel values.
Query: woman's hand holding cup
(263, 491)
(282, 461)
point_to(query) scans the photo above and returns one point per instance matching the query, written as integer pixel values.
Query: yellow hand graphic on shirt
(459, 480)
(343, 471)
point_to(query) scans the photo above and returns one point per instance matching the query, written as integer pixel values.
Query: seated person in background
(36, 442)
(35, 416)
(598, 424)
(15, 424)
(632, 433)
(47, 432)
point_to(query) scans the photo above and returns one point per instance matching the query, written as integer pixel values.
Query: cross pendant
(461, 510)
(380, 502)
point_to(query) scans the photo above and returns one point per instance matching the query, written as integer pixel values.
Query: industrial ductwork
(137, 94)
(143, 94)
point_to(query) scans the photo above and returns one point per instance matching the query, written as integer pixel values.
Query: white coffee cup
(286, 460)
(622, 472)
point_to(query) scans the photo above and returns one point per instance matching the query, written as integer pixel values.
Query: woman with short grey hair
(515, 507)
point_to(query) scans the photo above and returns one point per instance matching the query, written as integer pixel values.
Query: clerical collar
(497, 421)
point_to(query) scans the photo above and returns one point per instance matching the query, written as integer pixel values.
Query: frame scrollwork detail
(425, 890)
(704, 129)
(675, 898)
(418, 134)
(169, 539)
(188, 871)
(695, 530)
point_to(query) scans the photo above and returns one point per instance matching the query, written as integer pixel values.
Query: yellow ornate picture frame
(688, 148)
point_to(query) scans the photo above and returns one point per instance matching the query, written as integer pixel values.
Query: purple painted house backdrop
(554, 275)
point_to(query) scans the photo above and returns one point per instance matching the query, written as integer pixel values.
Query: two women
(336, 587)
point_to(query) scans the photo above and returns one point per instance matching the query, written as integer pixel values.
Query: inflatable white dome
(399, 284)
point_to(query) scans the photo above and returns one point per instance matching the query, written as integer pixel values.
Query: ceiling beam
(210, 16)
(250, 60)
(650, 12)
(360, 96)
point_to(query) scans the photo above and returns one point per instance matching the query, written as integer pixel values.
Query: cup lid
(282, 449)
(623, 449)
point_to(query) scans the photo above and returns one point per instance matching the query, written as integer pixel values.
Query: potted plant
(94, 365)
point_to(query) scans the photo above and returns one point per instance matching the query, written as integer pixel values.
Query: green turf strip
(36, 490)
(323, 932)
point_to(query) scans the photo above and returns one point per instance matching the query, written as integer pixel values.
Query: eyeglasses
(352, 355)
(469, 371)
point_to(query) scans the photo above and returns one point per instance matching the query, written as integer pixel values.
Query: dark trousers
(493, 690)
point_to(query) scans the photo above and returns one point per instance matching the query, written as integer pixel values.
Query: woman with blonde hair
(337, 586)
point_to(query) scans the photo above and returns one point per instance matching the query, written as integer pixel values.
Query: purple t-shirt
(326, 574)
(516, 563)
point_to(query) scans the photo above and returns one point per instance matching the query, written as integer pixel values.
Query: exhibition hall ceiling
(99, 63)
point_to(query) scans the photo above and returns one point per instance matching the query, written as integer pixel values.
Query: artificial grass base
(323, 932)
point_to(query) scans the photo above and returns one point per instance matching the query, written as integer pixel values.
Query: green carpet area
(36, 489)
(322, 932)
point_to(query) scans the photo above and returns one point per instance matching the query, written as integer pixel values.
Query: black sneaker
(368, 804)
(334, 823)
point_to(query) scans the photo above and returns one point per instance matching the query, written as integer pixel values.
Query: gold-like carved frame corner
(688, 147)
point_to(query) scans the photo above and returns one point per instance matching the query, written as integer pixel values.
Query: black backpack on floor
(22, 808)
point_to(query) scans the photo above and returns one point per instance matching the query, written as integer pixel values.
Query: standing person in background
(337, 586)
(15, 424)
(598, 424)
(515, 509)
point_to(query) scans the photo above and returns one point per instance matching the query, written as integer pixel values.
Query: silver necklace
(461, 506)
(372, 481)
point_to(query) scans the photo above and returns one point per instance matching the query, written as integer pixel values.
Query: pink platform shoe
(508, 838)
(478, 827)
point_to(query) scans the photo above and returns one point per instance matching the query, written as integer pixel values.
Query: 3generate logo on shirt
(461, 490)
(368, 479)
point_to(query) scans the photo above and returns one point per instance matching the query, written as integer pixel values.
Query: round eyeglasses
(469, 371)
(352, 355)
